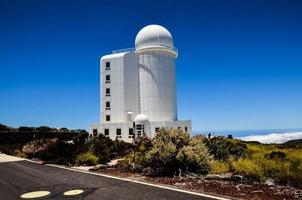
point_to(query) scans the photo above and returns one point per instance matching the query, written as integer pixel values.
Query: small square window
(118, 133)
(107, 92)
(108, 118)
(130, 131)
(106, 132)
(107, 66)
(107, 105)
(107, 78)
(157, 130)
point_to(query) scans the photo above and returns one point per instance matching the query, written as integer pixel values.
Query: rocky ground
(234, 187)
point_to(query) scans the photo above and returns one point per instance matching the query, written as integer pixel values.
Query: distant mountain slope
(294, 142)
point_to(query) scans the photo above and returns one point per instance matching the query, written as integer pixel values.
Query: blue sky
(240, 63)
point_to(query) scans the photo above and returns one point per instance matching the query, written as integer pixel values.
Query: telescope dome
(153, 36)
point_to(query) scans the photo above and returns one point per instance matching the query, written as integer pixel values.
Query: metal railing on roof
(123, 50)
(174, 49)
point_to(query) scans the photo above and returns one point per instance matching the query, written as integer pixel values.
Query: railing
(123, 50)
(174, 50)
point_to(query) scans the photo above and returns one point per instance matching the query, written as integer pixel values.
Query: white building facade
(138, 88)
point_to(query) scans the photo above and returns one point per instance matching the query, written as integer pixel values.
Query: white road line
(139, 182)
(35, 194)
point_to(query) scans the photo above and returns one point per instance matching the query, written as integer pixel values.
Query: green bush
(195, 157)
(12, 149)
(277, 169)
(276, 155)
(161, 158)
(19, 153)
(223, 148)
(248, 168)
(101, 147)
(87, 158)
(53, 150)
(219, 167)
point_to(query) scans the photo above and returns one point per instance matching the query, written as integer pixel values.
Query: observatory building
(138, 88)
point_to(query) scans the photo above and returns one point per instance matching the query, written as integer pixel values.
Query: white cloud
(273, 137)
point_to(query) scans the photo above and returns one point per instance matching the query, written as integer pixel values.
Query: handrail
(174, 50)
(123, 50)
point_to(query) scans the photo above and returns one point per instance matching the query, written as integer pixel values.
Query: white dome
(141, 118)
(153, 36)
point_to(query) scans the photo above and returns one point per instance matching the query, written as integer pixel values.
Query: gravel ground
(226, 188)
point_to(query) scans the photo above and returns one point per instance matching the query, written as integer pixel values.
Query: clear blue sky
(240, 63)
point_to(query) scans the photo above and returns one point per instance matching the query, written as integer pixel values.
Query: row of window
(139, 130)
(108, 94)
(118, 132)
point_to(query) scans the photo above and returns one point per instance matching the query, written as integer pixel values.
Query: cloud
(273, 137)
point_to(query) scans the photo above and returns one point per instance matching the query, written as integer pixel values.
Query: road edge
(134, 181)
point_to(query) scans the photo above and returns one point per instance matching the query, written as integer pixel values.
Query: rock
(270, 182)
(180, 184)
(257, 191)
(236, 178)
(226, 176)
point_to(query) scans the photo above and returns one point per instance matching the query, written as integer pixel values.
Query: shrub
(161, 158)
(19, 153)
(10, 148)
(101, 147)
(222, 148)
(124, 165)
(219, 167)
(277, 169)
(248, 168)
(53, 150)
(35, 146)
(276, 155)
(87, 158)
(195, 157)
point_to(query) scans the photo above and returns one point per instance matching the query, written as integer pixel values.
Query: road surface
(20, 176)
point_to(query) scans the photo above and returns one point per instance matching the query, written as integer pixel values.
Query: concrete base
(150, 128)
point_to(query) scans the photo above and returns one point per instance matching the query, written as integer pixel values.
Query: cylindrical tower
(156, 57)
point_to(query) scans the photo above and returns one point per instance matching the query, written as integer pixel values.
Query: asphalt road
(19, 177)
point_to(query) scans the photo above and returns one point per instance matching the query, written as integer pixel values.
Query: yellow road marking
(36, 194)
(73, 192)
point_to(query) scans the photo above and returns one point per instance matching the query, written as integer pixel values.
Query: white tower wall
(157, 85)
(123, 85)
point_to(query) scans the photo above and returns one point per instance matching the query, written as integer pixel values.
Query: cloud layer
(273, 137)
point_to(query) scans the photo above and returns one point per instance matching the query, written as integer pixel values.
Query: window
(118, 133)
(107, 92)
(157, 130)
(106, 132)
(95, 132)
(179, 128)
(139, 129)
(186, 129)
(107, 78)
(107, 118)
(107, 105)
(107, 66)
(130, 133)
